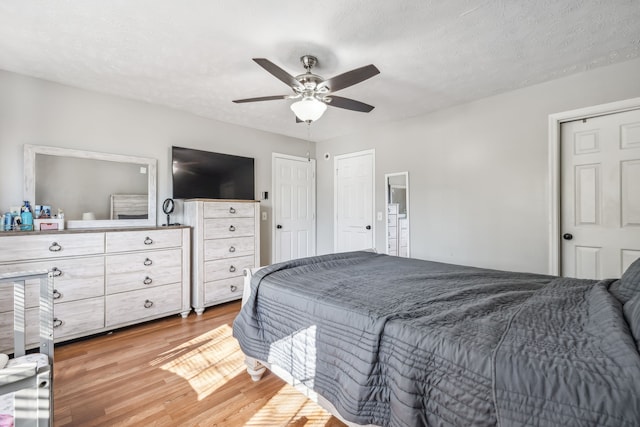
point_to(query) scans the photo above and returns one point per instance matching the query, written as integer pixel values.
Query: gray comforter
(404, 342)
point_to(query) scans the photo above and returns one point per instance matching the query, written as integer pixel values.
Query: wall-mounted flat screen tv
(209, 175)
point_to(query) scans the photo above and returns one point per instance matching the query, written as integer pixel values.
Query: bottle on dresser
(12, 219)
(26, 217)
(7, 221)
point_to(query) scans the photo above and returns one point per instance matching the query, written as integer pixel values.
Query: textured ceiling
(195, 55)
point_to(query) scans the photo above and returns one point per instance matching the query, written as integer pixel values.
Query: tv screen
(208, 175)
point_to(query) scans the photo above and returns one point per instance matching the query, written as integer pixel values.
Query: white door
(354, 202)
(294, 201)
(600, 187)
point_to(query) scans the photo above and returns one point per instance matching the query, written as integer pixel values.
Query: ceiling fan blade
(349, 104)
(278, 72)
(261, 98)
(350, 78)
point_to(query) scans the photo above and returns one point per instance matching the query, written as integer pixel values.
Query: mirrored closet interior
(397, 199)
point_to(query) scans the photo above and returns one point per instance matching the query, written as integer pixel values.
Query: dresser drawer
(139, 270)
(228, 210)
(229, 248)
(32, 295)
(75, 318)
(123, 241)
(392, 232)
(227, 268)
(137, 305)
(228, 227)
(6, 329)
(74, 279)
(78, 317)
(223, 290)
(32, 246)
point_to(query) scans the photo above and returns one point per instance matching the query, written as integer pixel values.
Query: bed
(394, 341)
(129, 206)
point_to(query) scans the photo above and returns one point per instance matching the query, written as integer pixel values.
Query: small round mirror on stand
(167, 208)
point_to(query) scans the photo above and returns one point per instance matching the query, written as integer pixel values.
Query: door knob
(278, 226)
(368, 227)
(567, 236)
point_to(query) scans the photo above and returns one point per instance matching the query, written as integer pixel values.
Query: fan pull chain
(309, 141)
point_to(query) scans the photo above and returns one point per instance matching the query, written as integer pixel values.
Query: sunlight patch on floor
(289, 407)
(207, 362)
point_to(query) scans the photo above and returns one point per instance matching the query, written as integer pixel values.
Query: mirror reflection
(88, 186)
(397, 198)
(92, 189)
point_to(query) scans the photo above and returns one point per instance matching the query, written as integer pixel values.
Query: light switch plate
(264, 215)
(379, 216)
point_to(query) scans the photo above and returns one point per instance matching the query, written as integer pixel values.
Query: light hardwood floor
(173, 372)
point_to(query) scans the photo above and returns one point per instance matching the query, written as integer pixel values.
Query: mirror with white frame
(92, 189)
(397, 208)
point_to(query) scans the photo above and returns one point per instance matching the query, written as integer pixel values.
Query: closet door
(354, 201)
(600, 195)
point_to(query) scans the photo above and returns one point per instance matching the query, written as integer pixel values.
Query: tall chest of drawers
(225, 241)
(103, 279)
(392, 229)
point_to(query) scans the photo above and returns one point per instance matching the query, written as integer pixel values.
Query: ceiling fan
(313, 92)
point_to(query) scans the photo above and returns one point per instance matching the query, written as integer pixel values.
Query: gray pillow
(629, 284)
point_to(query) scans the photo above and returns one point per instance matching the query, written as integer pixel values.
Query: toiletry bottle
(27, 218)
(17, 222)
(8, 221)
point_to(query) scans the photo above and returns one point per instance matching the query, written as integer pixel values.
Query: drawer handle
(232, 269)
(56, 272)
(57, 322)
(147, 280)
(148, 241)
(232, 228)
(232, 210)
(232, 249)
(233, 288)
(148, 304)
(55, 247)
(56, 294)
(147, 262)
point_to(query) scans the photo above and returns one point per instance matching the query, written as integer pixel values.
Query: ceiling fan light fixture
(308, 109)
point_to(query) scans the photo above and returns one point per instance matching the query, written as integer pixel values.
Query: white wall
(478, 172)
(38, 112)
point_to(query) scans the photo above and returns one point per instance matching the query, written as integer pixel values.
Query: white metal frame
(335, 193)
(32, 385)
(555, 120)
(274, 156)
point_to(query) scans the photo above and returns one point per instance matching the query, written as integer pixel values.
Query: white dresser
(103, 279)
(397, 231)
(403, 236)
(225, 241)
(392, 229)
